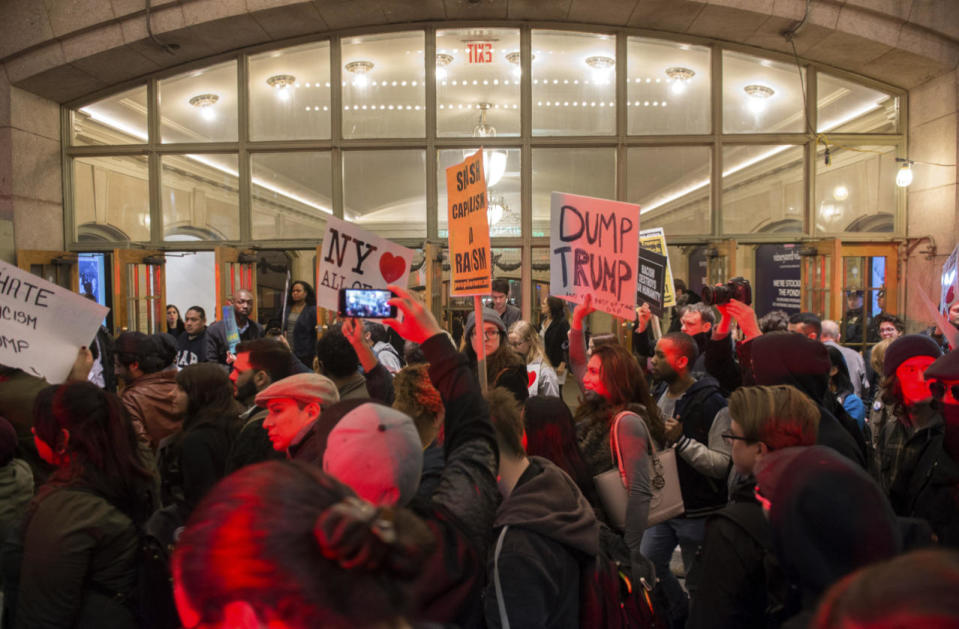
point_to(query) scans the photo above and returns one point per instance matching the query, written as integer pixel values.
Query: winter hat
(489, 316)
(945, 368)
(8, 441)
(302, 387)
(906, 347)
(376, 450)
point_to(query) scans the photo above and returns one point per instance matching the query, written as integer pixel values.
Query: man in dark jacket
(691, 409)
(545, 528)
(217, 344)
(192, 345)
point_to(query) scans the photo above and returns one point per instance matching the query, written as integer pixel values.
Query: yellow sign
(655, 240)
(468, 227)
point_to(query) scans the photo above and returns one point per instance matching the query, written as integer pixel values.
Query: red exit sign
(480, 52)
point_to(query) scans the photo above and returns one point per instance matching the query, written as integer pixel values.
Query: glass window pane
(118, 119)
(200, 197)
(761, 96)
(385, 191)
(200, 105)
(667, 87)
(574, 83)
(290, 93)
(857, 191)
(477, 82)
(502, 167)
(384, 93)
(292, 194)
(671, 186)
(588, 171)
(845, 107)
(111, 198)
(762, 189)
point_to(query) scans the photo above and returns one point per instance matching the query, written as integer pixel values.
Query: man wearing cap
(854, 321)
(293, 405)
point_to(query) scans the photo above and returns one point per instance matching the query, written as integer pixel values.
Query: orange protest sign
(468, 227)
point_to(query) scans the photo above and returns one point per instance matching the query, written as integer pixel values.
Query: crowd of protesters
(371, 479)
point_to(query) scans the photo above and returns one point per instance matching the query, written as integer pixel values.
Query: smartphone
(366, 303)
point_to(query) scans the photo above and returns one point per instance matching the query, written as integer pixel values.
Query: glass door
(139, 291)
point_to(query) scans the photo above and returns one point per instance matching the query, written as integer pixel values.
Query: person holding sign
(504, 367)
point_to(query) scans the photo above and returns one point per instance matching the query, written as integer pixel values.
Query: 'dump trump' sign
(594, 249)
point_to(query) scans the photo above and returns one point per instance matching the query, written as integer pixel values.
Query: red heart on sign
(950, 295)
(532, 377)
(391, 267)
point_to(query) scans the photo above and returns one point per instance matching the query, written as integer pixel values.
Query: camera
(366, 303)
(737, 288)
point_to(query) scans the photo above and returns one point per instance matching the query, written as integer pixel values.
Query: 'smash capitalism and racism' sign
(594, 249)
(355, 258)
(42, 325)
(655, 240)
(468, 227)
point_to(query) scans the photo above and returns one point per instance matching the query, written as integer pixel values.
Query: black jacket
(556, 340)
(217, 344)
(191, 350)
(252, 443)
(304, 335)
(192, 462)
(551, 529)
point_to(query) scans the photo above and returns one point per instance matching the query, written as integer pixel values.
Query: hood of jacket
(790, 358)
(550, 504)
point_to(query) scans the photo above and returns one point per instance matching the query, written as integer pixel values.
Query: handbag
(667, 498)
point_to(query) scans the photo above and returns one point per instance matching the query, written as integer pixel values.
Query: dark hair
(268, 355)
(102, 447)
(551, 434)
(685, 344)
(774, 321)
(840, 379)
(809, 321)
(626, 384)
(507, 421)
(500, 285)
(497, 363)
(413, 353)
(417, 397)
(152, 353)
(893, 319)
(557, 308)
(177, 329)
(598, 340)
(337, 357)
(298, 546)
(378, 333)
(878, 596)
(310, 293)
(705, 312)
(679, 285)
(199, 310)
(210, 395)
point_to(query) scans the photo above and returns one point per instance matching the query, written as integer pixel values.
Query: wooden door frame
(122, 258)
(29, 257)
(224, 256)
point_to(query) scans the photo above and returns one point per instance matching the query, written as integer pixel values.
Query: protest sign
(355, 258)
(232, 330)
(594, 249)
(468, 227)
(650, 280)
(655, 240)
(949, 279)
(778, 279)
(42, 325)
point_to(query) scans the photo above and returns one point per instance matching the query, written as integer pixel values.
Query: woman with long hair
(299, 328)
(614, 388)
(80, 536)
(193, 460)
(174, 322)
(555, 332)
(504, 367)
(282, 544)
(526, 341)
(840, 386)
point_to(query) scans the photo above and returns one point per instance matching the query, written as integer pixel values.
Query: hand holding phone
(418, 323)
(366, 303)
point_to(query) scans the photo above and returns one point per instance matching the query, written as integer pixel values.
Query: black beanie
(906, 347)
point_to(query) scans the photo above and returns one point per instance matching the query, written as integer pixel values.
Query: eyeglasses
(489, 335)
(939, 389)
(730, 437)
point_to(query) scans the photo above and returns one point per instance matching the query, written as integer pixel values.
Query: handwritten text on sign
(42, 325)
(468, 227)
(594, 249)
(355, 258)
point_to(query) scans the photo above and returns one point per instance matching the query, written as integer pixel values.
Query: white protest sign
(355, 258)
(949, 280)
(42, 325)
(594, 249)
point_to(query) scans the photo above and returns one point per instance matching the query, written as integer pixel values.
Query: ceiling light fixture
(680, 76)
(758, 95)
(517, 61)
(494, 161)
(282, 83)
(904, 176)
(442, 60)
(205, 103)
(602, 68)
(359, 68)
